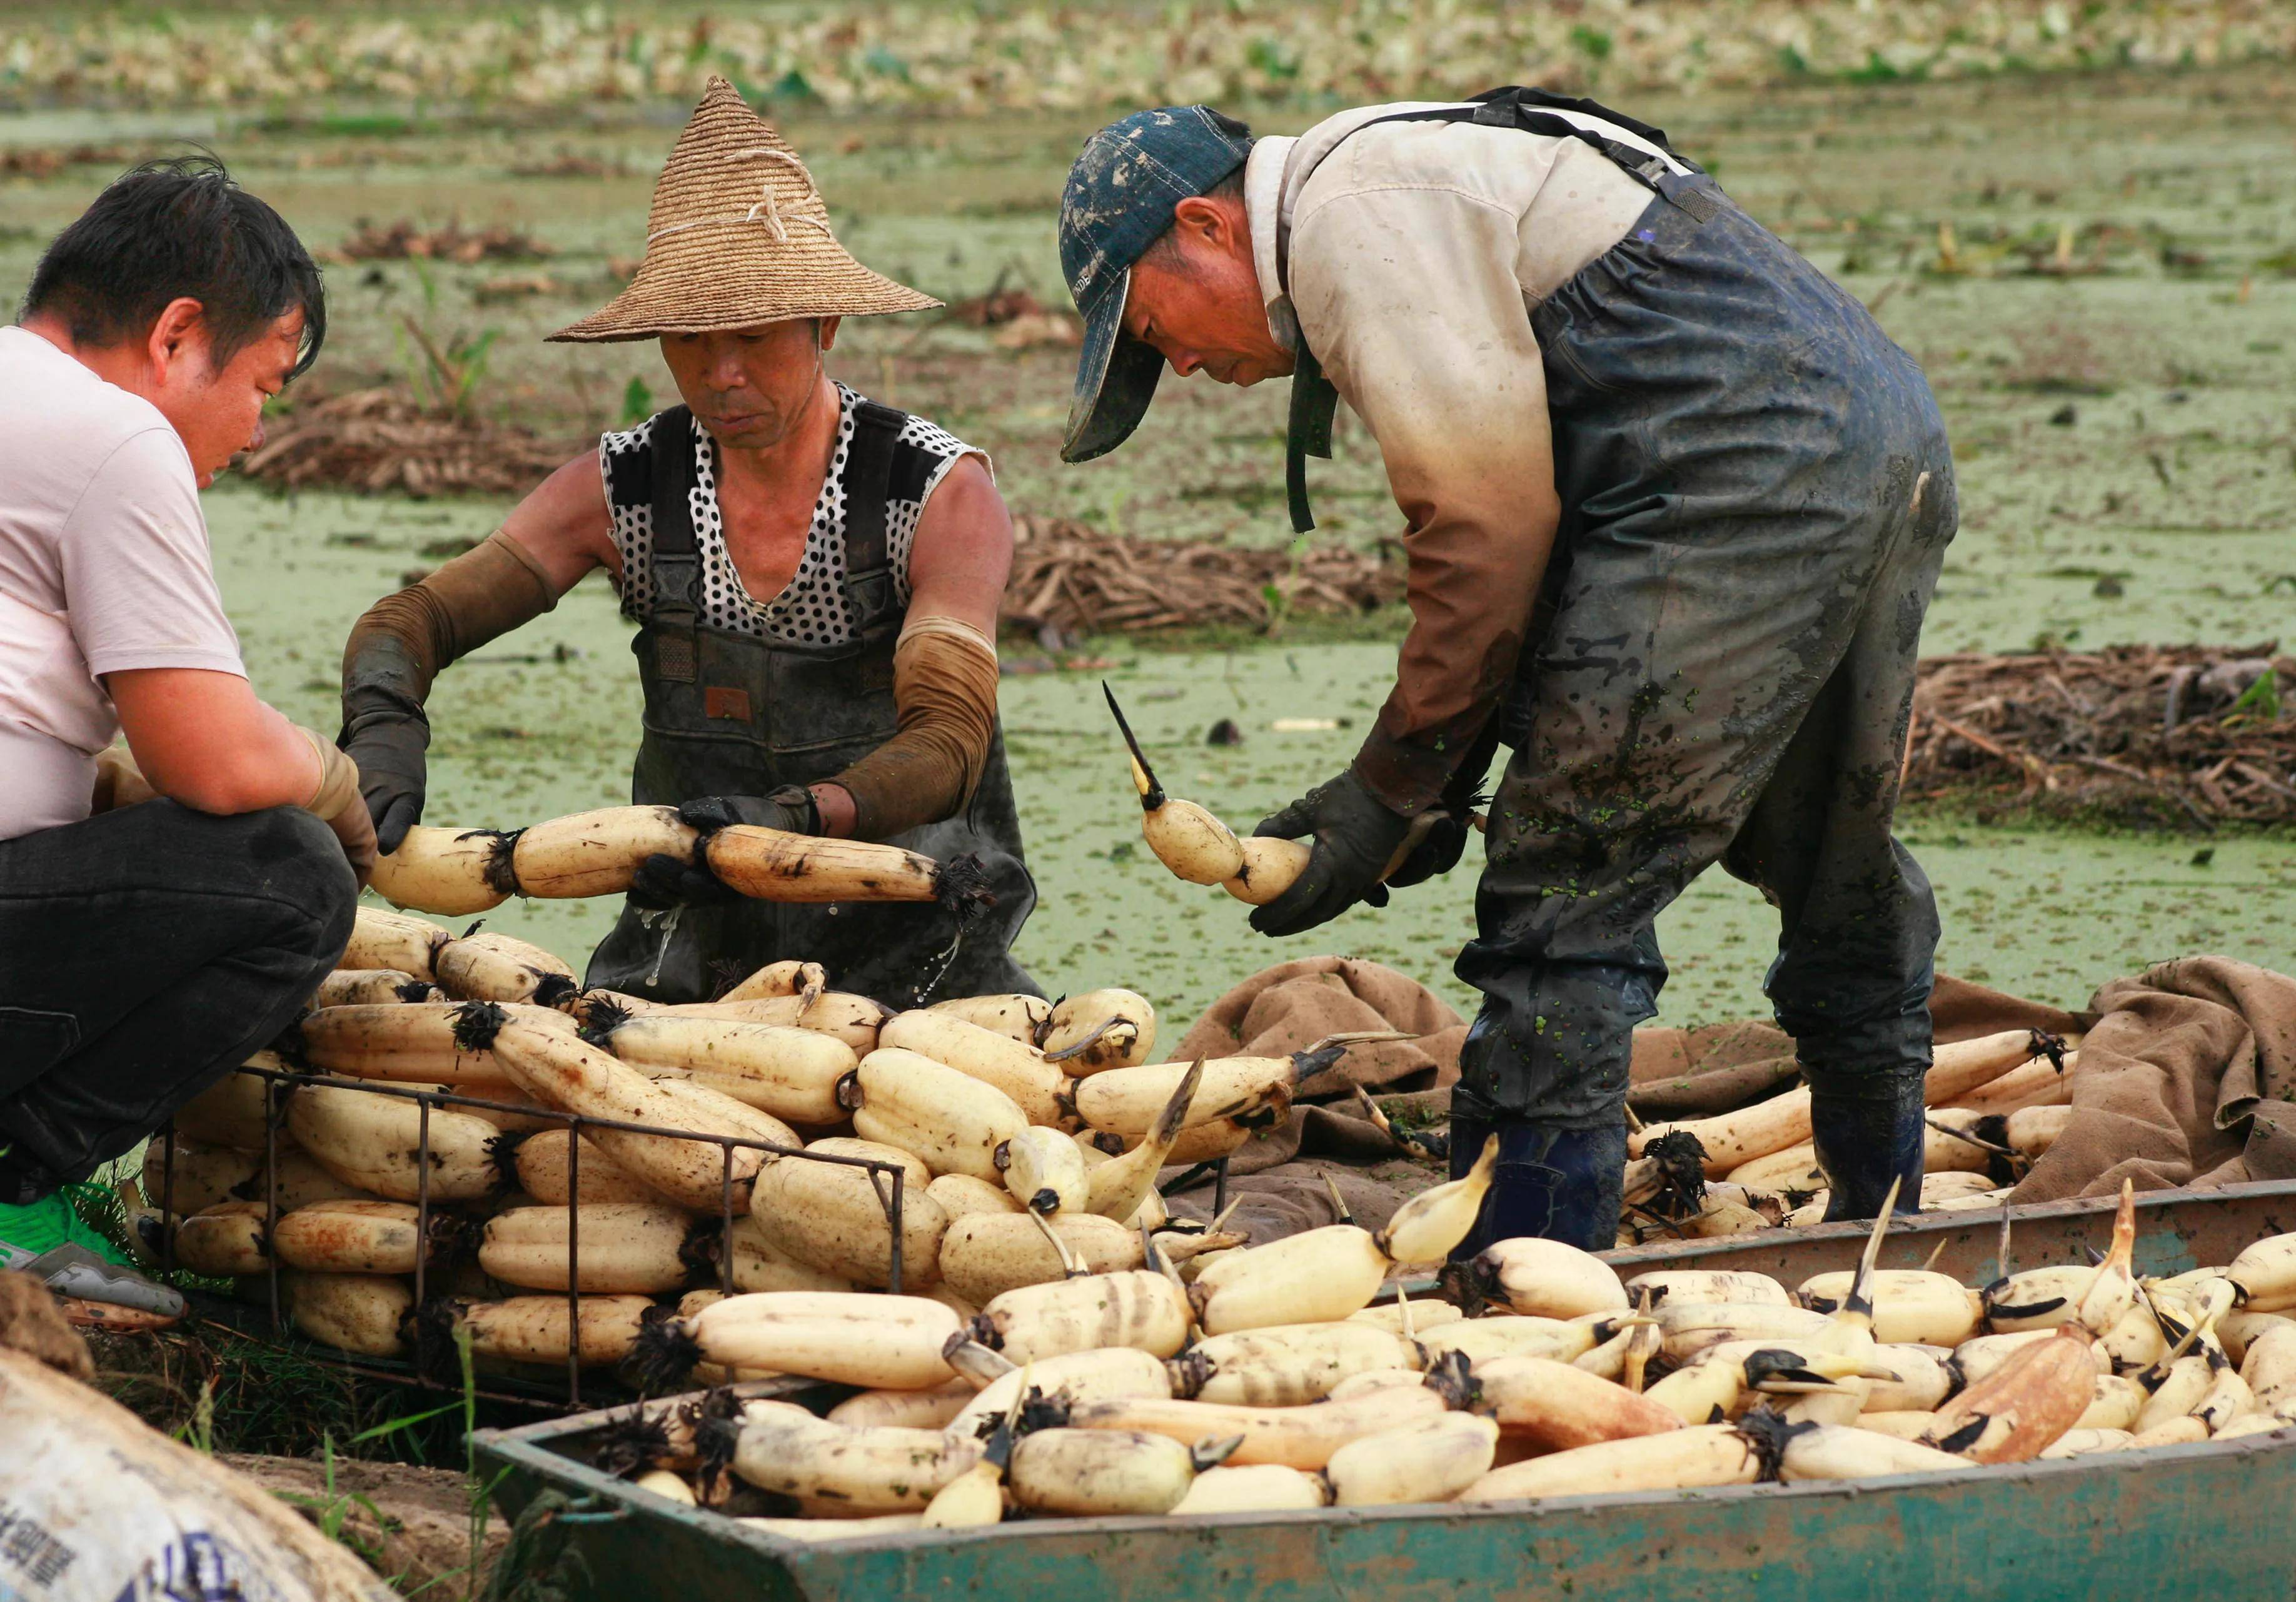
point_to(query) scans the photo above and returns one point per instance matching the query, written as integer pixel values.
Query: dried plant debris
(570, 164)
(995, 306)
(1072, 580)
(46, 160)
(2183, 735)
(373, 440)
(1046, 57)
(515, 286)
(405, 241)
(1017, 320)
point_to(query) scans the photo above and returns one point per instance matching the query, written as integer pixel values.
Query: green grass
(219, 1391)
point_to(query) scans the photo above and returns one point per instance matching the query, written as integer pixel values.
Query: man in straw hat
(1629, 429)
(816, 577)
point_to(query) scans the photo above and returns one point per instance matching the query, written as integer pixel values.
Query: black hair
(1164, 250)
(180, 227)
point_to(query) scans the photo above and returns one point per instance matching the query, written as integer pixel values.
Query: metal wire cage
(889, 1180)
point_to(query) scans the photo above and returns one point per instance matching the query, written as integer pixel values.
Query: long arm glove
(397, 647)
(945, 694)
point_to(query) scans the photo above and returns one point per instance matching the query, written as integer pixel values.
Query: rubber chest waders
(731, 714)
(1314, 400)
(1756, 491)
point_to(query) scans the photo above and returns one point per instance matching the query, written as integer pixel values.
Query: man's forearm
(1471, 588)
(207, 740)
(400, 643)
(945, 686)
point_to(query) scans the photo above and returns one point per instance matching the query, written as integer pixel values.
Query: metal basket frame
(889, 1180)
(890, 1195)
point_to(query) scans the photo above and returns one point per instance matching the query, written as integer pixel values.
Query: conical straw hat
(738, 235)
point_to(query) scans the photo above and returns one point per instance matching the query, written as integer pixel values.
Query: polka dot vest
(812, 611)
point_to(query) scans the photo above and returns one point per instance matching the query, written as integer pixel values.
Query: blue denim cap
(1119, 199)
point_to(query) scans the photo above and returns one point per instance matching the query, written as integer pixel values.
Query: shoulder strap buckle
(870, 594)
(676, 561)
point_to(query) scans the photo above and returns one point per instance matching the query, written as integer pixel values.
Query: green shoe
(48, 1223)
(49, 1240)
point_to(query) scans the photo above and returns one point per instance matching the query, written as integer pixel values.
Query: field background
(2125, 431)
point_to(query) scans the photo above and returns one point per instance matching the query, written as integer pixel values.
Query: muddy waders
(1757, 497)
(733, 714)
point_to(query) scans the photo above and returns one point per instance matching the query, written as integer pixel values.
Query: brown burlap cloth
(1279, 1177)
(2187, 1076)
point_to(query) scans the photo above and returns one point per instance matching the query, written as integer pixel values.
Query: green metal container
(2212, 1520)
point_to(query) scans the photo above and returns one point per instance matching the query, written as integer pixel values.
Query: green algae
(2173, 477)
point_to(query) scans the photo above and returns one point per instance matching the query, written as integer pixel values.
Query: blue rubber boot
(1864, 1141)
(1552, 1183)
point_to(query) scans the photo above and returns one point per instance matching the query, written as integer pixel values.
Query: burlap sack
(1698, 1073)
(1289, 1007)
(2187, 1078)
(1294, 1197)
(1677, 1072)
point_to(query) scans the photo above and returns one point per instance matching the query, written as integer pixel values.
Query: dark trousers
(1760, 495)
(143, 954)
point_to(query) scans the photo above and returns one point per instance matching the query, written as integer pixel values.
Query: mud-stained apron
(728, 714)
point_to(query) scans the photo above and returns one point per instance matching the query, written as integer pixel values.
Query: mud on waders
(1733, 438)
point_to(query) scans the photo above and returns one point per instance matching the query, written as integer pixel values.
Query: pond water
(543, 723)
(2125, 441)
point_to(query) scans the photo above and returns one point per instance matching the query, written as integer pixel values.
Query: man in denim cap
(1675, 509)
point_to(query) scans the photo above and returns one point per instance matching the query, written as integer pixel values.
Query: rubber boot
(1552, 1183)
(1865, 1141)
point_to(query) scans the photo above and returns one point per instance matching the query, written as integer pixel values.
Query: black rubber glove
(1355, 834)
(1439, 850)
(386, 734)
(1445, 839)
(663, 881)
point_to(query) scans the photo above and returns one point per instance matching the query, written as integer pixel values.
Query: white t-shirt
(103, 566)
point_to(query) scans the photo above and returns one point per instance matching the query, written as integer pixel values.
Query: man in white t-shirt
(165, 909)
